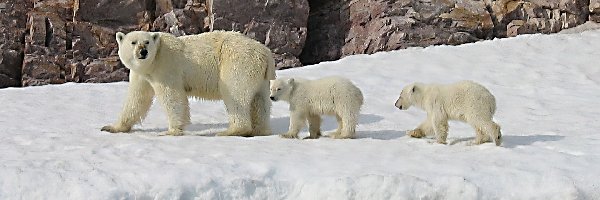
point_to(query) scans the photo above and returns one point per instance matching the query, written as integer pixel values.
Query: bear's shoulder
(171, 42)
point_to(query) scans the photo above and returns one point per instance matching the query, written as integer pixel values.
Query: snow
(547, 89)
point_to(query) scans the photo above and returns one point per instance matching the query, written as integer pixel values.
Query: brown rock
(594, 9)
(539, 16)
(182, 21)
(105, 70)
(42, 70)
(461, 38)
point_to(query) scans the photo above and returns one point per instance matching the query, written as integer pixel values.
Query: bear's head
(409, 96)
(137, 50)
(281, 89)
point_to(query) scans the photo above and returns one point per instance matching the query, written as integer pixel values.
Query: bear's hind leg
(349, 121)
(238, 109)
(487, 131)
(337, 131)
(261, 113)
(480, 136)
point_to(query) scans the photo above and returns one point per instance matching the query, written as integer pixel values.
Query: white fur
(464, 101)
(214, 66)
(309, 99)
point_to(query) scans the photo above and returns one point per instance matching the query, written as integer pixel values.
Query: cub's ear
(155, 36)
(120, 37)
(290, 81)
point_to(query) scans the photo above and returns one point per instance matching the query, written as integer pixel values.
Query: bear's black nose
(143, 53)
(272, 98)
(400, 107)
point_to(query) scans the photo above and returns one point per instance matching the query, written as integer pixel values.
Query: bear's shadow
(281, 124)
(513, 141)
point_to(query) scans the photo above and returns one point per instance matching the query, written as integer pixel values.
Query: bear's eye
(147, 42)
(134, 42)
(278, 89)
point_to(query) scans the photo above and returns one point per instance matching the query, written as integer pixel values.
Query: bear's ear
(155, 37)
(120, 37)
(290, 81)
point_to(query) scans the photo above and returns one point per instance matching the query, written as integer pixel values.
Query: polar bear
(216, 65)
(465, 101)
(309, 99)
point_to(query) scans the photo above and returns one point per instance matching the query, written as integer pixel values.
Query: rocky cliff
(57, 41)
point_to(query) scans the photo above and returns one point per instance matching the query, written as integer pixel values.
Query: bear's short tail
(270, 73)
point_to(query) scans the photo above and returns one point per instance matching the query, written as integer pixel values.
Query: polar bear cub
(309, 99)
(465, 101)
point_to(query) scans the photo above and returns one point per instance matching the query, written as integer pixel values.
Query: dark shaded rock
(13, 20)
(121, 15)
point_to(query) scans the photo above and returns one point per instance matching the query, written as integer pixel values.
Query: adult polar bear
(217, 65)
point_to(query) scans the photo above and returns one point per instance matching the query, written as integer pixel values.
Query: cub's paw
(417, 133)
(115, 129)
(441, 142)
(172, 133)
(289, 136)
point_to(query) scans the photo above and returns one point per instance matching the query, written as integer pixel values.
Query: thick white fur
(465, 101)
(309, 99)
(213, 66)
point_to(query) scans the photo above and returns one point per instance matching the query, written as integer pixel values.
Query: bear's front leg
(175, 102)
(314, 127)
(139, 100)
(440, 126)
(297, 122)
(422, 130)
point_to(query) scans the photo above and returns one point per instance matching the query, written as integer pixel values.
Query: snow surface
(547, 89)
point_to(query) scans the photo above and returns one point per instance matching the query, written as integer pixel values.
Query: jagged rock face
(57, 41)
(13, 18)
(537, 16)
(347, 27)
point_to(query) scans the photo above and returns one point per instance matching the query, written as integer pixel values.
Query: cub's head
(281, 89)
(137, 49)
(409, 96)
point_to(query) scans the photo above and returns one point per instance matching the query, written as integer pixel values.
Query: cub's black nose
(272, 98)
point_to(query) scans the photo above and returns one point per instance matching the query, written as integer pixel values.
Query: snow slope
(548, 93)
